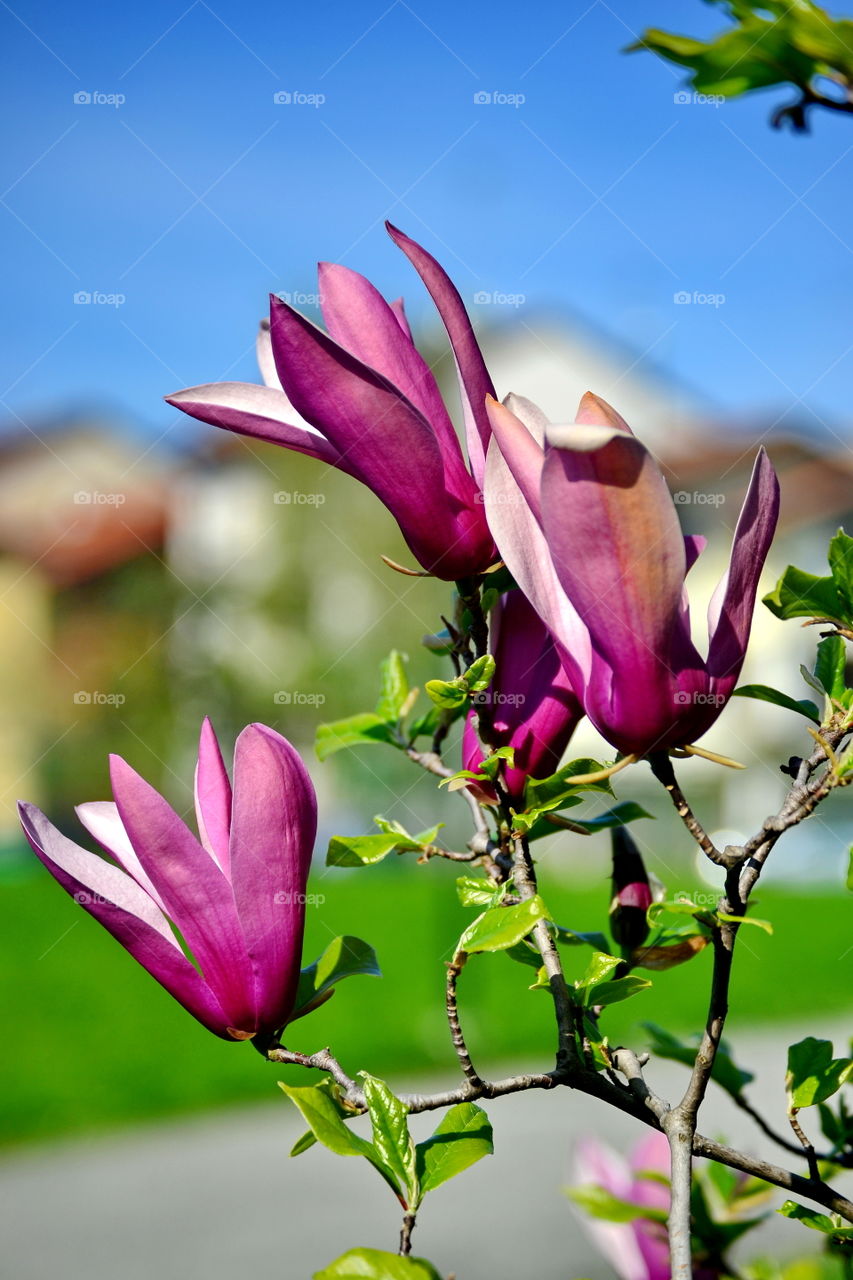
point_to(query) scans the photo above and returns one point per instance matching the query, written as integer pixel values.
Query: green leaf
(619, 816)
(798, 594)
(475, 891)
(328, 1086)
(374, 1264)
(763, 693)
(829, 1226)
(850, 872)
(612, 992)
(599, 969)
(502, 927)
(394, 686)
(364, 851)
(568, 938)
(759, 924)
(830, 667)
(599, 1203)
(725, 1073)
(364, 729)
(462, 1138)
(479, 675)
(675, 906)
(391, 1137)
(543, 793)
(321, 1114)
(813, 1074)
(840, 558)
(345, 957)
(447, 694)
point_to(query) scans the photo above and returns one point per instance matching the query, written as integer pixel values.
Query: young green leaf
(813, 1074)
(763, 693)
(798, 594)
(361, 730)
(391, 1137)
(323, 1118)
(364, 851)
(462, 1138)
(447, 694)
(829, 1226)
(394, 686)
(605, 993)
(345, 957)
(476, 891)
(479, 675)
(599, 1203)
(502, 927)
(374, 1264)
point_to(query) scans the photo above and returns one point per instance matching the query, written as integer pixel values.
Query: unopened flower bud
(632, 894)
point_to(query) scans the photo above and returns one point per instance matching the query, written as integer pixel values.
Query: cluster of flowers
(600, 626)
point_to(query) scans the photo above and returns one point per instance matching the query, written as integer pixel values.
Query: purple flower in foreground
(361, 398)
(636, 1250)
(236, 894)
(533, 706)
(583, 518)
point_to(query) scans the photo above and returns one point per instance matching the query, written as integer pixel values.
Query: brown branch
(454, 969)
(409, 1220)
(662, 768)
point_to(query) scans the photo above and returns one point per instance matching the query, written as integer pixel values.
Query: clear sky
(193, 193)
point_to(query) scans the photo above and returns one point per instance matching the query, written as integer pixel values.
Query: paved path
(217, 1198)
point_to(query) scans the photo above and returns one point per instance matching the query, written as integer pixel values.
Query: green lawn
(92, 1043)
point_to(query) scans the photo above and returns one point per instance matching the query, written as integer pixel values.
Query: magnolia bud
(632, 894)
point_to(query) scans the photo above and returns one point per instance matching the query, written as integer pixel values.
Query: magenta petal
(399, 310)
(360, 320)
(196, 893)
(260, 412)
(523, 453)
(522, 545)
(272, 837)
(213, 798)
(126, 911)
(101, 819)
(730, 611)
(475, 383)
(384, 441)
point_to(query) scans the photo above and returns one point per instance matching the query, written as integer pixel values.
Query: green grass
(92, 1043)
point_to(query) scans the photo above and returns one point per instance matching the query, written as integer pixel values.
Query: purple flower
(636, 1250)
(632, 892)
(235, 894)
(533, 706)
(361, 398)
(583, 518)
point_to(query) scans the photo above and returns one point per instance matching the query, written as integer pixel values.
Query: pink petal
(213, 798)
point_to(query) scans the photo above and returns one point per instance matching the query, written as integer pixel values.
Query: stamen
(710, 755)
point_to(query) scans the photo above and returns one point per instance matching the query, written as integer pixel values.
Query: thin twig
(661, 767)
(454, 969)
(406, 1230)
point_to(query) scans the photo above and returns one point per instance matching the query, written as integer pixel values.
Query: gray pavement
(215, 1197)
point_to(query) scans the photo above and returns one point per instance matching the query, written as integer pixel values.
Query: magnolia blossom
(235, 893)
(361, 398)
(584, 520)
(531, 704)
(636, 1250)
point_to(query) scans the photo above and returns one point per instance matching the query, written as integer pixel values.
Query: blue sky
(599, 193)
